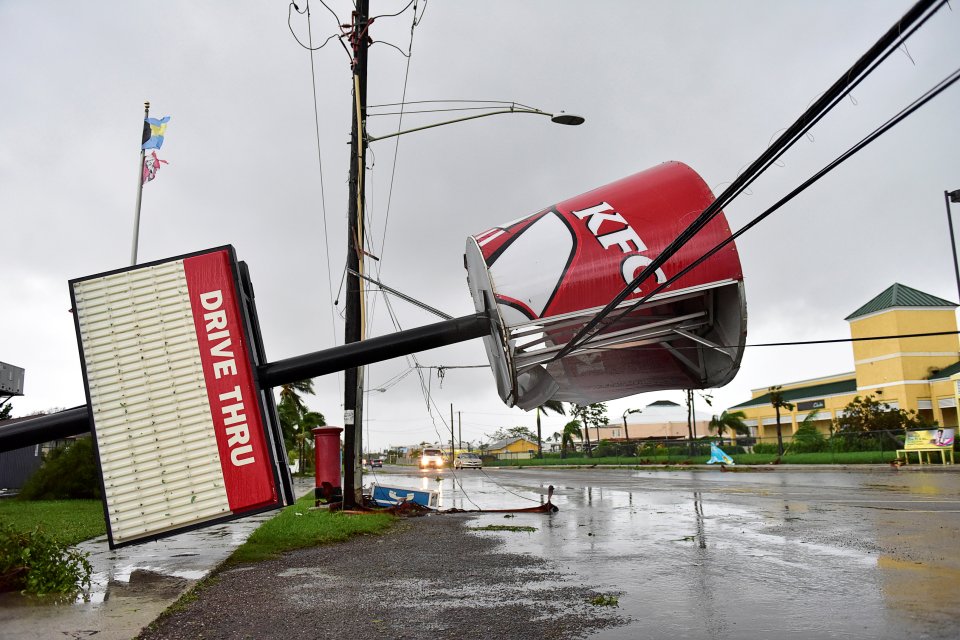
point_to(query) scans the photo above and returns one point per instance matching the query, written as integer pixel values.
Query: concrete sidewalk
(130, 586)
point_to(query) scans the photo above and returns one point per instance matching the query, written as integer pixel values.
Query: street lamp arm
(559, 118)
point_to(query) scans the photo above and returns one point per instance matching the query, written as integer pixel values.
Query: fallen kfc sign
(183, 434)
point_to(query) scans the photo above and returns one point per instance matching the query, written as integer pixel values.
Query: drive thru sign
(181, 433)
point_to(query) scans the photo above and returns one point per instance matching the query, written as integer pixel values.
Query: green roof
(813, 391)
(946, 372)
(898, 295)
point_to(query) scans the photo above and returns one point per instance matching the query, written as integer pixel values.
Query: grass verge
(851, 457)
(503, 527)
(299, 526)
(66, 521)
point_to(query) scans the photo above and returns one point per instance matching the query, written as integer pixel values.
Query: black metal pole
(63, 424)
(376, 349)
(273, 374)
(953, 242)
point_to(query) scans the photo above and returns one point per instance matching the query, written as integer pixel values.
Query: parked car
(431, 458)
(467, 461)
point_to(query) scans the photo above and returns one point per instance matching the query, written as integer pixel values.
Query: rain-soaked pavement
(130, 586)
(863, 553)
(761, 554)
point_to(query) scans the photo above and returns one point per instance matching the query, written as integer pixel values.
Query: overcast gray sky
(706, 83)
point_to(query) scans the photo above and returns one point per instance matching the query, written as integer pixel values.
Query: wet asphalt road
(869, 553)
(769, 553)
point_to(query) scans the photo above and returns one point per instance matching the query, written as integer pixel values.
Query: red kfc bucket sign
(544, 276)
(181, 433)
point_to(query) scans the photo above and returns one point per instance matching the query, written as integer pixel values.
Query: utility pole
(460, 429)
(452, 451)
(354, 320)
(948, 197)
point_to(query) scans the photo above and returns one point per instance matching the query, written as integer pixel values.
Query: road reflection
(739, 555)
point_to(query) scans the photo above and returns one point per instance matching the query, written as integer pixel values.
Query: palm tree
(550, 405)
(732, 420)
(291, 410)
(291, 393)
(570, 430)
(304, 437)
(626, 431)
(776, 399)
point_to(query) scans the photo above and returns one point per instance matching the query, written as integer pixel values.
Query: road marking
(889, 501)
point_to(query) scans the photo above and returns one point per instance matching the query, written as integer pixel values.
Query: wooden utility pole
(354, 319)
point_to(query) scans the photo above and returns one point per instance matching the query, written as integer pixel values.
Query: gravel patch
(428, 577)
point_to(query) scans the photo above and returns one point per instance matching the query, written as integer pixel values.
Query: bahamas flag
(153, 132)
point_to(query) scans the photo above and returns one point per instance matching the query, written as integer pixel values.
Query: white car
(467, 461)
(431, 458)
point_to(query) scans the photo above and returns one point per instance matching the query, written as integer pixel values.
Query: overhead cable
(876, 133)
(840, 88)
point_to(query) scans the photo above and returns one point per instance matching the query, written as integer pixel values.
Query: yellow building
(512, 448)
(920, 373)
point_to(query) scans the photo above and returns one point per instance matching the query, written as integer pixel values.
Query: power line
(394, 15)
(323, 198)
(791, 343)
(306, 10)
(453, 101)
(836, 92)
(876, 133)
(396, 146)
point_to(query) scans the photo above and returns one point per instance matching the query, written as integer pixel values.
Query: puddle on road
(702, 555)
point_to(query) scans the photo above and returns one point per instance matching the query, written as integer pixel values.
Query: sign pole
(136, 215)
(953, 242)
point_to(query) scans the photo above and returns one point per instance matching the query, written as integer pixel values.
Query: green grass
(604, 600)
(851, 457)
(503, 527)
(841, 457)
(67, 521)
(298, 526)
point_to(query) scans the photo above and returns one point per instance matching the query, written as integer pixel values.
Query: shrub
(614, 450)
(35, 563)
(807, 440)
(765, 447)
(68, 473)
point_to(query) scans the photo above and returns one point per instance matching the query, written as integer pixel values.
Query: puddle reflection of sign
(929, 438)
(182, 440)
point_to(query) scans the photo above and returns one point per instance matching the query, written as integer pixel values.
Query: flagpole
(136, 215)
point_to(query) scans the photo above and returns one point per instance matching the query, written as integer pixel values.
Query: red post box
(327, 449)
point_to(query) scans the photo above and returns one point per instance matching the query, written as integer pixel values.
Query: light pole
(626, 431)
(948, 197)
(354, 309)
(568, 119)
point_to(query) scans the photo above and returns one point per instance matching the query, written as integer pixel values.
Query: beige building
(660, 419)
(919, 373)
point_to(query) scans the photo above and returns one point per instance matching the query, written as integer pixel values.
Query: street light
(625, 414)
(353, 397)
(568, 119)
(948, 197)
